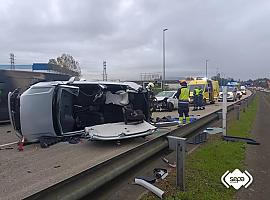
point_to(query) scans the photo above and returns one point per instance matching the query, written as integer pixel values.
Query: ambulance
(210, 89)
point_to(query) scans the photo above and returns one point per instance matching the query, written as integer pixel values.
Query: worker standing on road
(196, 98)
(152, 98)
(183, 102)
(200, 99)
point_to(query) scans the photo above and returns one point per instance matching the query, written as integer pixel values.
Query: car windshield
(165, 94)
(229, 89)
(192, 87)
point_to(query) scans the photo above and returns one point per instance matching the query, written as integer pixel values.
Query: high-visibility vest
(184, 96)
(196, 91)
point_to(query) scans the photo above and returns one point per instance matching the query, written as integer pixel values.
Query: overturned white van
(57, 109)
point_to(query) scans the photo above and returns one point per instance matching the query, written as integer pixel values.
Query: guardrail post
(219, 115)
(244, 106)
(237, 108)
(179, 145)
(224, 111)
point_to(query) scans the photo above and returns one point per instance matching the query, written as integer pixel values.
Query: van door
(211, 94)
(206, 92)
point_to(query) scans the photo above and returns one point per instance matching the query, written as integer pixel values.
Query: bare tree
(67, 61)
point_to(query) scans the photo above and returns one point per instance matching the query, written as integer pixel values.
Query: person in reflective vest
(183, 103)
(196, 98)
(152, 98)
(200, 99)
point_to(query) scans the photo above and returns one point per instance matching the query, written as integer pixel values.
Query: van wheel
(170, 107)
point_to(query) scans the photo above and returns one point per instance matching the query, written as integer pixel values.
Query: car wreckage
(166, 101)
(97, 110)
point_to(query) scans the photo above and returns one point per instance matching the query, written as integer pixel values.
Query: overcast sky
(233, 34)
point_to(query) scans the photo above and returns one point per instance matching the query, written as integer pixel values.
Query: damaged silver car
(99, 110)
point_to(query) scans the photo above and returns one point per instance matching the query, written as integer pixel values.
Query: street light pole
(163, 75)
(206, 62)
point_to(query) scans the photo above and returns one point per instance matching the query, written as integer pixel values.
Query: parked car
(231, 94)
(57, 109)
(239, 94)
(243, 90)
(166, 100)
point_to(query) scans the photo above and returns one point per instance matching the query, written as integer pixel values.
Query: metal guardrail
(86, 182)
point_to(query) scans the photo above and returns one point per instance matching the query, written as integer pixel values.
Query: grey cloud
(233, 35)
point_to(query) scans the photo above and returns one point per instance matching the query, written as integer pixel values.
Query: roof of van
(54, 83)
(194, 82)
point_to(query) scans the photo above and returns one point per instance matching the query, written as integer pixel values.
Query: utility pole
(12, 66)
(104, 71)
(206, 63)
(163, 75)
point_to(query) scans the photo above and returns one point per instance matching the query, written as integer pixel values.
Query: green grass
(207, 164)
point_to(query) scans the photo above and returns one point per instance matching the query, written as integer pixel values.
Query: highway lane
(200, 113)
(29, 171)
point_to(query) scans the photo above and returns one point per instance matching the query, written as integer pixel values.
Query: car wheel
(170, 107)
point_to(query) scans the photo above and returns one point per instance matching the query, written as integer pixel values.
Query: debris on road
(240, 139)
(6, 148)
(160, 173)
(167, 161)
(147, 179)
(150, 187)
(46, 141)
(8, 144)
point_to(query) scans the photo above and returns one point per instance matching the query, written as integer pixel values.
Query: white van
(243, 90)
(57, 109)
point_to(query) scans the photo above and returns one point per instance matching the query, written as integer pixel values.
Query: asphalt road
(24, 173)
(257, 156)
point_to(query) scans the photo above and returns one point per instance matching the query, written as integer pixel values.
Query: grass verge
(207, 164)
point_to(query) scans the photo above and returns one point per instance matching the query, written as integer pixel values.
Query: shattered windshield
(165, 94)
